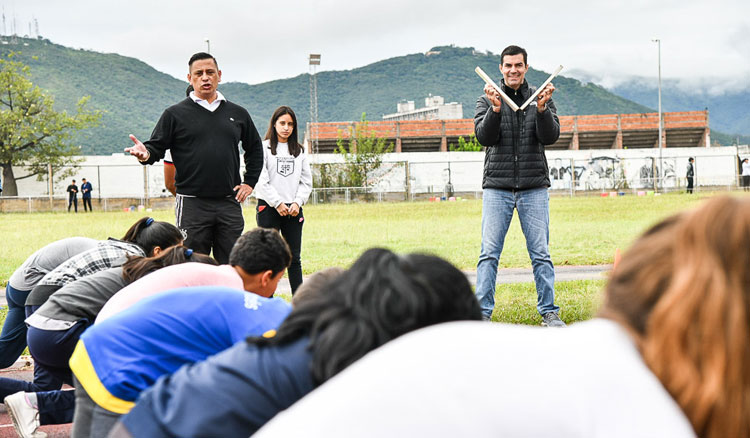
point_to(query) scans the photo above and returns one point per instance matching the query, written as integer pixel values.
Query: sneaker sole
(16, 426)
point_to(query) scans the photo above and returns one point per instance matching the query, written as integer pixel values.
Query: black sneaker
(551, 319)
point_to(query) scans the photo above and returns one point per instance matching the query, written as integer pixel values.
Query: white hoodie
(284, 178)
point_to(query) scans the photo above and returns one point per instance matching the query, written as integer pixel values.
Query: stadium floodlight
(661, 164)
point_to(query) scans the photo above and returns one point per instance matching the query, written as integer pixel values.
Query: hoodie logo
(231, 119)
(285, 166)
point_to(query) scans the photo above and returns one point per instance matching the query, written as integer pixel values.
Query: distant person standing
(690, 174)
(203, 134)
(86, 192)
(72, 195)
(516, 177)
(746, 174)
(284, 186)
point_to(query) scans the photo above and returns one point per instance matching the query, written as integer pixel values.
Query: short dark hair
(259, 250)
(136, 267)
(148, 234)
(83, 179)
(200, 56)
(381, 297)
(514, 50)
(691, 159)
(316, 283)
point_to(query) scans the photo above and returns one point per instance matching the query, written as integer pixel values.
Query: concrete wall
(119, 176)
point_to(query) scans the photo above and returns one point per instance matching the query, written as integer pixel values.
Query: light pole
(314, 61)
(208, 46)
(661, 164)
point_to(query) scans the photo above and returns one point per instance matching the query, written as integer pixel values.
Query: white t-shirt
(472, 379)
(746, 169)
(284, 178)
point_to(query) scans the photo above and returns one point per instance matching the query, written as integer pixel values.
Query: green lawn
(584, 231)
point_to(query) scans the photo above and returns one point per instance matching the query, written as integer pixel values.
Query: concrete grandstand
(609, 131)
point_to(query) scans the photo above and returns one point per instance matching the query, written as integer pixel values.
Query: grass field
(584, 231)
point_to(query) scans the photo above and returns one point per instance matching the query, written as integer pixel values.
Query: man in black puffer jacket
(516, 176)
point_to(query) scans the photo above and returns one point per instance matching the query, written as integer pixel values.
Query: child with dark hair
(284, 185)
(256, 264)
(148, 335)
(20, 284)
(55, 327)
(667, 356)
(235, 392)
(145, 238)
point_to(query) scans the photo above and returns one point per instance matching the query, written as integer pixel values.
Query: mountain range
(133, 95)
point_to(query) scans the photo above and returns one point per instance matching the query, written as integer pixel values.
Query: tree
(32, 134)
(363, 154)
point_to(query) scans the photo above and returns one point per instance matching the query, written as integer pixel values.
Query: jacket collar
(524, 89)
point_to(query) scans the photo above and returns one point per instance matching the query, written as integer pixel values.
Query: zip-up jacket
(514, 155)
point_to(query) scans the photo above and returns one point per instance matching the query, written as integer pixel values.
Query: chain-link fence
(120, 184)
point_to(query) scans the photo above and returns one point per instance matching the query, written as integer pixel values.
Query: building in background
(435, 108)
(604, 131)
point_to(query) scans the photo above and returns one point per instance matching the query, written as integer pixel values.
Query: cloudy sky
(703, 43)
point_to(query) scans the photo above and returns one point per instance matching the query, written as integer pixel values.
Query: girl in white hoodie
(284, 186)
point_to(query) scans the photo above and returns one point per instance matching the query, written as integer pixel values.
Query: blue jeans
(533, 213)
(13, 336)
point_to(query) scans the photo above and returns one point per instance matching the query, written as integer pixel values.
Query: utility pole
(314, 61)
(661, 163)
(208, 46)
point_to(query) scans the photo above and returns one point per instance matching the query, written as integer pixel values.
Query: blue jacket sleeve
(231, 394)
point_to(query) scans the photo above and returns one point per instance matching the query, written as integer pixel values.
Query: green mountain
(376, 88)
(130, 92)
(727, 110)
(133, 95)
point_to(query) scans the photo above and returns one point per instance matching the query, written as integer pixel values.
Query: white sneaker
(25, 418)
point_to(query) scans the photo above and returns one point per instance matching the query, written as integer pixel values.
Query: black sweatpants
(291, 229)
(73, 200)
(87, 202)
(210, 223)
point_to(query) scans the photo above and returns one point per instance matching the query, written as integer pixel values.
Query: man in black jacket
(203, 133)
(516, 177)
(72, 195)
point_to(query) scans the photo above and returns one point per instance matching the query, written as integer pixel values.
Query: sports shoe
(25, 418)
(550, 319)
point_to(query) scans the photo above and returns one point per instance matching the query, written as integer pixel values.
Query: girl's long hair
(148, 234)
(382, 296)
(683, 291)
(137, 267)
(294, 147)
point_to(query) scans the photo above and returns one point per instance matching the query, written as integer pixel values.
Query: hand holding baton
(539, 90)
(492, 83)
